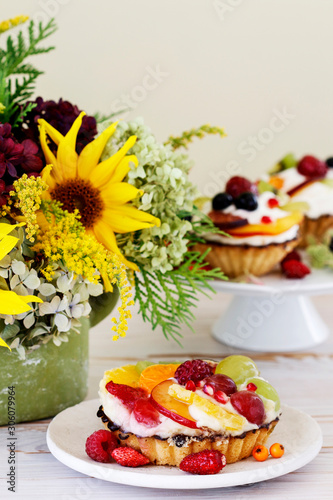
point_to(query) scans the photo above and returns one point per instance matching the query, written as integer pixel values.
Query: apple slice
(171, 407)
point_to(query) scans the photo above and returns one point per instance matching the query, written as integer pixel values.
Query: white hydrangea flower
(162, 174)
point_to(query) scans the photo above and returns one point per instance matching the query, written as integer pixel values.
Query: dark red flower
(15, 160)
(61, 115)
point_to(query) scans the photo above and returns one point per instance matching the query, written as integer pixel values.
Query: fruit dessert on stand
(308, 180)
(260, 230)
(167, 412)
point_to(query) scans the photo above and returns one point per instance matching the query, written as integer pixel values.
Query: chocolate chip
(113, 427)
(179, 440)
(100, 412)
(123, 436)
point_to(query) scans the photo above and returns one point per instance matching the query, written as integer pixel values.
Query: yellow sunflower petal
(119, 193)
(120, 222)
(91, 153)
(123, 168)
(55, 135)
(137, 214)
(6, 228)
(7, 244)
(10, 303)
(30, 298)
(67, 157)
(109, 172)
(47, 177)
(106, 236)
(49, 156)
(3, 343)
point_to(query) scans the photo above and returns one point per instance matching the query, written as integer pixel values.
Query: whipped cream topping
(318, 195)
(117, 412)
(254, 241)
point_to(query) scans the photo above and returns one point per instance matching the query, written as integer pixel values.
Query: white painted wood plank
(303, 380)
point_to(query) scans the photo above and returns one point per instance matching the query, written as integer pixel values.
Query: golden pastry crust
(168, 452)
(236, 260)
(315, 229)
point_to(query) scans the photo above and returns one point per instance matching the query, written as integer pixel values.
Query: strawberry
(145, 413)
(127, 395)
(100, 444)
(128, 457)
(293, 269)
(204, 462)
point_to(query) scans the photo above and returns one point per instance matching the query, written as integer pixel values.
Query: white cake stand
(274, 316)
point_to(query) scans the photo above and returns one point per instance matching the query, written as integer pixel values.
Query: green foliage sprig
(187, 137)
(166, 299)
(18, 78)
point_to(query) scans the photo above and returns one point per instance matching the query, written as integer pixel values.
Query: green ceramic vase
(51, 378)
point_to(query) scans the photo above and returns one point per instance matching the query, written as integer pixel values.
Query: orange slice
(155, 374)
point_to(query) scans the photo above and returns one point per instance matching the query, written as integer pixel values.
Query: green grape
(142, 365)
(266, 390)
(239, 368)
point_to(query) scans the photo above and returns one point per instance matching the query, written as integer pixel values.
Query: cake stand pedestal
(274, 316)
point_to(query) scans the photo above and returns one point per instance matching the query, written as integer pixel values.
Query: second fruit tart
(259, 233)
(310, 181)
(168, 411)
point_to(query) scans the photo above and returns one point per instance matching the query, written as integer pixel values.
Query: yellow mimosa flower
(10, 302)
(95, 188)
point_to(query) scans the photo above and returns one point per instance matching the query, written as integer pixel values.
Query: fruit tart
(169, 411)
(259, 234)
(308, 180)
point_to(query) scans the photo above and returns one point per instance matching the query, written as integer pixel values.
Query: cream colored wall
(262, 69)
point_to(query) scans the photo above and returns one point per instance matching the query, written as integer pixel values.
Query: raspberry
(239, 185)
(294, 255)
(127, 395)
(128, 457)
(195, 370)
(266, 220)
(100, 445)
(203, 462)
(273, 203)
(145, 413)
(294, 269)
(309, 166)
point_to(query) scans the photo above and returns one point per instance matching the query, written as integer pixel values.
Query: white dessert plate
(67, 433)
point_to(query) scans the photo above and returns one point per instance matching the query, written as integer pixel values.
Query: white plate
(319, 282)
(67, 433)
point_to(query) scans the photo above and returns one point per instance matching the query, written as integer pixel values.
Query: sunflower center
(80, 194)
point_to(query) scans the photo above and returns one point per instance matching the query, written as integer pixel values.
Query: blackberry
(222, 201)
(247, 201)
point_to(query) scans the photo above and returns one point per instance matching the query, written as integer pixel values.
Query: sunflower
(10, 302)
(96, 189)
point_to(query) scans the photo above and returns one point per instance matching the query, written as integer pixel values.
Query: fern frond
(167, 299)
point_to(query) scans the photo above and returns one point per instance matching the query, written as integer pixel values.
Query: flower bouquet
(90, 211)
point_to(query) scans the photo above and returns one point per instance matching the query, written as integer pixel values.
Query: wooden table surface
(304, 380)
